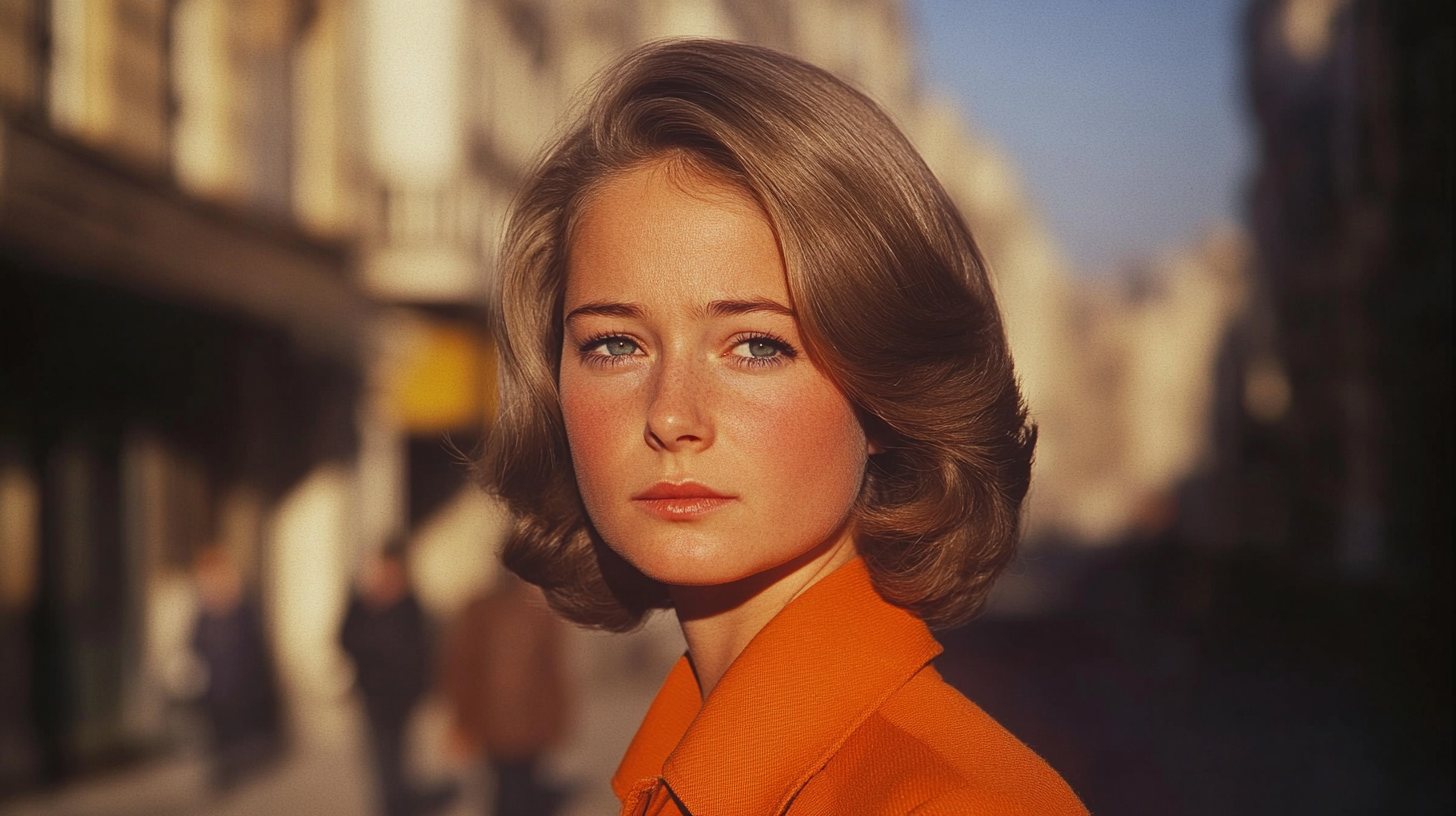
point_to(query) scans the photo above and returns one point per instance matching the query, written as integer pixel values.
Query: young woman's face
(708, 447)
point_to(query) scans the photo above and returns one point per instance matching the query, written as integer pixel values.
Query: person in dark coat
(241, 700)
(386, 635)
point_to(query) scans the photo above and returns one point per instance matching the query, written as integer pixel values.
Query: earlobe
(874, 431)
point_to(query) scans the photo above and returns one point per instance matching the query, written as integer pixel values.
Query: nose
(678, 418)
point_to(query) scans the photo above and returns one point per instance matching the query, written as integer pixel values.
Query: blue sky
(1125, 117)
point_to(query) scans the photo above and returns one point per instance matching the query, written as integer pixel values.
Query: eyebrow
(601, 309)
(728, 308)
(717, 308)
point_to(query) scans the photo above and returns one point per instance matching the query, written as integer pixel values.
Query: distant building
(1350, 214)
(179, 356)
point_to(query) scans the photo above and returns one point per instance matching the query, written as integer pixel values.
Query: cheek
(588, 437)
(808, 440)
(592, 415)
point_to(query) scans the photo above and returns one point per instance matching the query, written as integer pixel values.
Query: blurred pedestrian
(386, 635)
(241, 695)
(507, 688)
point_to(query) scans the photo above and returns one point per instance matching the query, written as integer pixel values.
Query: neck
(719, 621)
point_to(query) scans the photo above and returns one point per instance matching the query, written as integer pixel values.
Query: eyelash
(786, 353)
(588, 356)
(786, 349)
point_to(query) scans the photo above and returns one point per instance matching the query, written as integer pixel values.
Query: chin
(689, 560)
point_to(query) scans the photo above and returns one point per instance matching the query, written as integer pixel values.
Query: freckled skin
(667, 389)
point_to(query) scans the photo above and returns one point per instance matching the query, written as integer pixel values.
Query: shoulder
(989, 764)
(928, 750)
(963, 801)
(353, 614)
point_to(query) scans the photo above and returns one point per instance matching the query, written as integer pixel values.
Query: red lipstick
(680, 500)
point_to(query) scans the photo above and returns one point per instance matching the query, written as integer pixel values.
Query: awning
(74, 211)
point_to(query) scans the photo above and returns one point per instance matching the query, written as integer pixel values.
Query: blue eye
(763, 350)
(617, 346)
(608, 349)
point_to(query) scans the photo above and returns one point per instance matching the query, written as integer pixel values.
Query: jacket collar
(807, 680)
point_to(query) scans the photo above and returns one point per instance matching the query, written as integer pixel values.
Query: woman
(752, 370)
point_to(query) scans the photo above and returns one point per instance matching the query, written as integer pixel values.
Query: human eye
(761, 350)
(609, 349)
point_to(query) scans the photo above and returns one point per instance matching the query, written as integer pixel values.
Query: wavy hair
(892, 296)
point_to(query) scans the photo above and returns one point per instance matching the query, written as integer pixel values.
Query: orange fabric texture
(833, 708)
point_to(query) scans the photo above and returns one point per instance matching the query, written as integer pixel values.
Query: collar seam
(833, 748)
(792, 791)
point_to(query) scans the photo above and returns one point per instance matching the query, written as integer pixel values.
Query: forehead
(666, 232)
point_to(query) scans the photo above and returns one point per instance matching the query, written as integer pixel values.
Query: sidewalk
(328, 774)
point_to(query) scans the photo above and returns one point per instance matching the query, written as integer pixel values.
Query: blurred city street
(248, 251)
(329, 775)
(1139, 709)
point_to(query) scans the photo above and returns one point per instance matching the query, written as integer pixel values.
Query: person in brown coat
(504, 677)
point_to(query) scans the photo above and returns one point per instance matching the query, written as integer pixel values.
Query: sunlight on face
(707, 445)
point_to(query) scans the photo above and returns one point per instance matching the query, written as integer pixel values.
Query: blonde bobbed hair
(892, 297)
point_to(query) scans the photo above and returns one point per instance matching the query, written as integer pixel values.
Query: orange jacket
(832, 709)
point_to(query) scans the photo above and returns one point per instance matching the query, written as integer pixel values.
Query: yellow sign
(445, 379)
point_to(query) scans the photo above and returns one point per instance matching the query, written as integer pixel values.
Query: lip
(681, 500)
(687, 489)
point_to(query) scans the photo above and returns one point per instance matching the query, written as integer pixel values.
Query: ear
(874, 431)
